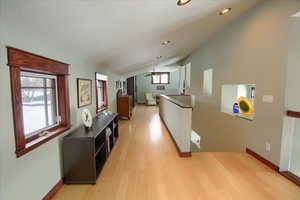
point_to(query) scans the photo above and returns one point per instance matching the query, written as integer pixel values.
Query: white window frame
(38, 75)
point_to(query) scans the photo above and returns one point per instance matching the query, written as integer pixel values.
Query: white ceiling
(125, 35)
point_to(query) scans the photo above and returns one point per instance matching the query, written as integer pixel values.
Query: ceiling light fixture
(182, 2)
(165, 42)
(225, 11)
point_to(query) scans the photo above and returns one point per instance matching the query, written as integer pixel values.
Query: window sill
(102, 109)
(247, 117)
(41, 140)
(239, 115)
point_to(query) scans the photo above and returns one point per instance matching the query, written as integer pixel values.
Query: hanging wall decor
(84, 92)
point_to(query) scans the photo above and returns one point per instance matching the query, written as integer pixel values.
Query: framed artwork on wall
(84, 92)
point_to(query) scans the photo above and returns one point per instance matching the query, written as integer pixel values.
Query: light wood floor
(145, 165)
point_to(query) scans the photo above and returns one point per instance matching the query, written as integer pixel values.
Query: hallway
(145, 165)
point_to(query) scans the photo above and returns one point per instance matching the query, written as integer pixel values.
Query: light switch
(268, 147)
(268, 98)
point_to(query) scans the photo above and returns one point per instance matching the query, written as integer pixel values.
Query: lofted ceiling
(125, 36)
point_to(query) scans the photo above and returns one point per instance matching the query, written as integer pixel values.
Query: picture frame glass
(84, 87)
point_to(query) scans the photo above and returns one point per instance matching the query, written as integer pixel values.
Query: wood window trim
(19, 60)
(105, 94)
(294, 114)
(160, 73)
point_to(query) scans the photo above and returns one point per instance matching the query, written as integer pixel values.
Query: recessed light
(225, 11)
(165, 42)
(182, 2)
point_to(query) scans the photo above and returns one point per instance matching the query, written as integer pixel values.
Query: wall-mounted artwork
(84, 92)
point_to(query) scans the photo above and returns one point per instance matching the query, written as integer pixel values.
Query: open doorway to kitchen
(290, 148)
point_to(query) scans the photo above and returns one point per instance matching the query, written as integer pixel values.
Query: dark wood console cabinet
(124, 106)
(85, 150)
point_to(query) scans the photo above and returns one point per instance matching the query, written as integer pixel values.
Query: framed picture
(84, 92)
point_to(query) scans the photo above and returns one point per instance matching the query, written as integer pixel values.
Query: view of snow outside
(34, 110)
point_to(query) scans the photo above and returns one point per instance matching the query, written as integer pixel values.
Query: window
(207, 82)
(160, 78)
(101, 92)
(40, 96)
(155, 79)
(252, 92)
(39, 102)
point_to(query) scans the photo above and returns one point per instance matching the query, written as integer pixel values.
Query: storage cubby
(100, 157)
(99, 142)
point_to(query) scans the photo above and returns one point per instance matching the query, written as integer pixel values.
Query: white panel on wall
(188, 75)
(268, 99)
(207, 82)
(181, 78)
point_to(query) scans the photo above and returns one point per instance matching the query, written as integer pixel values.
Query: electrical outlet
(268, 146)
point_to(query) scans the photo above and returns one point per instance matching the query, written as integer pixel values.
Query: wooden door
(131, 89)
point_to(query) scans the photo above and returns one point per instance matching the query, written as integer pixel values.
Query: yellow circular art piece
(246, 106)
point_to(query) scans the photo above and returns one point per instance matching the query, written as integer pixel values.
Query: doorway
(290, 148)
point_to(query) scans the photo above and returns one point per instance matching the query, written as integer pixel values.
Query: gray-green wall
(252, 49)
(144, 86)
(34, 174)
